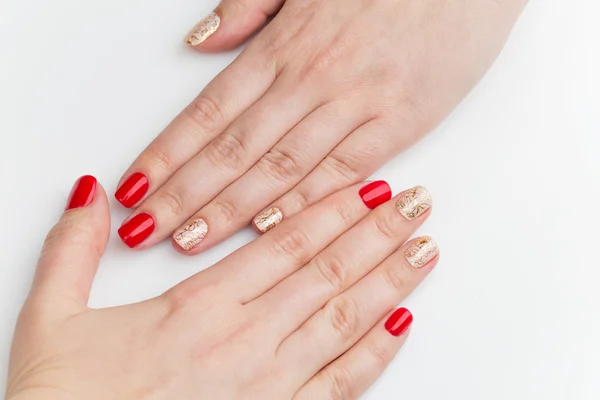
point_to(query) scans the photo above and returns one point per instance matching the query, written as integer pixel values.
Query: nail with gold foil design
(414, 203)
(421, 252)
(190, 235)
(268, 219)
(204, 29)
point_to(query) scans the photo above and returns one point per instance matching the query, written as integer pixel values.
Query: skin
(292, 315)
(321, 98)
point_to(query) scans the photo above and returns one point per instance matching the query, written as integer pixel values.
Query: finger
(294, 156)
(73, 248)
(224, 160)
(353, 160)
(355, 371)
(345, 261)
(231, 24)
(246, 275)
(223, 100)
(346, 318)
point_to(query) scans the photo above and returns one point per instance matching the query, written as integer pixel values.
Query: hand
(302, 313)
(320, 99)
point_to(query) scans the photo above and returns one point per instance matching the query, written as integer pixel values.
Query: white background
(512, 310)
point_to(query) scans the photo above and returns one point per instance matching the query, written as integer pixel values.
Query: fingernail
(269, 219)
(188, 236)
(375, 194)
(132, 190)
(204, 29)
(399, 322)
(82, 193)
(137, 229)
(414, 203)
(421, 252)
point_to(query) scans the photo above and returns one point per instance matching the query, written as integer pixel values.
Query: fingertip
(399, 322)
(267, 220)
(83, 192)
(225, 29)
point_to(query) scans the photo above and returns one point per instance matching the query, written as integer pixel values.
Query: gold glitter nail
(204, 29)
(190, 235)
(267, 220)
(414, 203)
(421, 252)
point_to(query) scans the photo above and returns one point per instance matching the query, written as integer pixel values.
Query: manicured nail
(421, 252)
(82, 193)
(414, 203)
(137, 229)
(399, 322)
(375, 194)
(269, 219)
(132, 190)
(188, 236)
(204, 29)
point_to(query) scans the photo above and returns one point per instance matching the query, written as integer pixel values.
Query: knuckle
(293, 244)
(380, 356)
(385, 227)
(226, 151)
(69, 233)
(340, 384)
(331, 271)
(395, 278)
(345, 212)
(226, 208)
(344, 317)
(157, 156)
(206, 112)
(342, 168)
(281, 165)
(300, 199)
(171, 200)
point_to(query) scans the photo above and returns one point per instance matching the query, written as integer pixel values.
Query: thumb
(73, 248)
(231, 24)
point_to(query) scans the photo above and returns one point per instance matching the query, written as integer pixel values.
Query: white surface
(512, 310)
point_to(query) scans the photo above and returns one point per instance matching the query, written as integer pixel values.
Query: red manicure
(132, 190)
(375, 194)
(82, 193)
(137, 229)
(399, 322)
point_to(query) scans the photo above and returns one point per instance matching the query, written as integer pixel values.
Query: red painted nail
(137, 229)
(375, 194)
(132, 190)
(82, 193)
(399, 322)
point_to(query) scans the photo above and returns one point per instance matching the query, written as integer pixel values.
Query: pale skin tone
(318, 100)
(297, 314)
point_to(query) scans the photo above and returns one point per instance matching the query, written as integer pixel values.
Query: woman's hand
(320, 99)
(305, 312)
